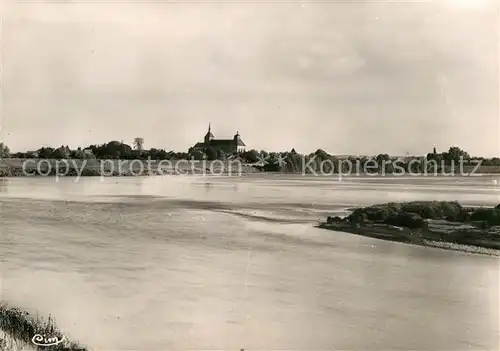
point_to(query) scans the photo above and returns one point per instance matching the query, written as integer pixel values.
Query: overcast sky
(353, 77)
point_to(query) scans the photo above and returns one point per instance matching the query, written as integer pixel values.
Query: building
(228, 146)
(88, 152)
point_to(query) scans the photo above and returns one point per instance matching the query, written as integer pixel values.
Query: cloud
(371, 70)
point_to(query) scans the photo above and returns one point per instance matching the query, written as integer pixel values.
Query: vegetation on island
(18, 328)
(424, 222)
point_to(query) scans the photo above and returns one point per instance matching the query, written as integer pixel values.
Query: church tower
(209, 136)
(238, 144)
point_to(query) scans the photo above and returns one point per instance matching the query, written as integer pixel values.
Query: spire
(209, 136)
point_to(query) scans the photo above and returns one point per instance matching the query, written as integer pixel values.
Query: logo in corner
(41, 340)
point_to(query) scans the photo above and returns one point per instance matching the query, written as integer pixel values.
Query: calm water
(227, 263)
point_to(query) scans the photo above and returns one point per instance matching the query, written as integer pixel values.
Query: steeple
(209, 136)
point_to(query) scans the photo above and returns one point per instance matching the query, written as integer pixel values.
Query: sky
(349, 77)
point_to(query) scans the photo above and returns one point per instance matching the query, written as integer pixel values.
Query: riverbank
(16, 167)
(20, 330)
(118, 168)
(442, 224)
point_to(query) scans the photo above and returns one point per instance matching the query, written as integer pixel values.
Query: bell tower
(209, 136)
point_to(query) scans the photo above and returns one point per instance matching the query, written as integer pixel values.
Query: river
(225, 263)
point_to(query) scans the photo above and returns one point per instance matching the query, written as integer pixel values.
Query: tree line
(110, 150)
(294, 161)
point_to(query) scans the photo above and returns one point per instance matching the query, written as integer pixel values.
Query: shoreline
(22, 330)
(377, 233)
(477, 232)
(11, 167)
(94, 172)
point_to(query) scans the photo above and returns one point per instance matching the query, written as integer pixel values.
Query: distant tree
(172, 155)
(322, 154)
(4, 150)
(196, 155)
(414, 167)
(78, 153)
(388, 168)
(61, 152)
(139, 144)
(157, 154)
(46, 152)
(455, 154)
(272, 158)
(113, 150)
(211, 154)
(221, 155)
(181, 155)
(439, 158)
(383, 157)
(251, 156)
(382, 161)
(294, 162)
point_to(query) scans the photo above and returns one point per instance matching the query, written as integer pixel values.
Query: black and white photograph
(245, 175)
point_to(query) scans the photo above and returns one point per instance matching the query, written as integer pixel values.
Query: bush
(211, 154)
(358, 218)
(410, 214)
(451, 209)
(197, 155)
(428, 210)
(4, 172)
(251, 156)
(463, 216)
(378, 213)
(405, 219)
(336, 219)
(433, 209)
(21, 327)
(488, 215)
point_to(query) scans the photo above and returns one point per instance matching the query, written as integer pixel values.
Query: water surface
(207, 263)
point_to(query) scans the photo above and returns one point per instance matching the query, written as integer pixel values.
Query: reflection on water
(229, 263)
(319, 191)
(4, 185)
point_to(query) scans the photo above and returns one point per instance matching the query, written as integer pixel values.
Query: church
(229, 146)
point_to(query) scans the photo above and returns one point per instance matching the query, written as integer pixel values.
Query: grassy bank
(19, 328)
(113, 168)
(430, 223)
(16, 167)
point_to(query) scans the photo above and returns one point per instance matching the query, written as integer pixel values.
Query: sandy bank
(445, 225)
